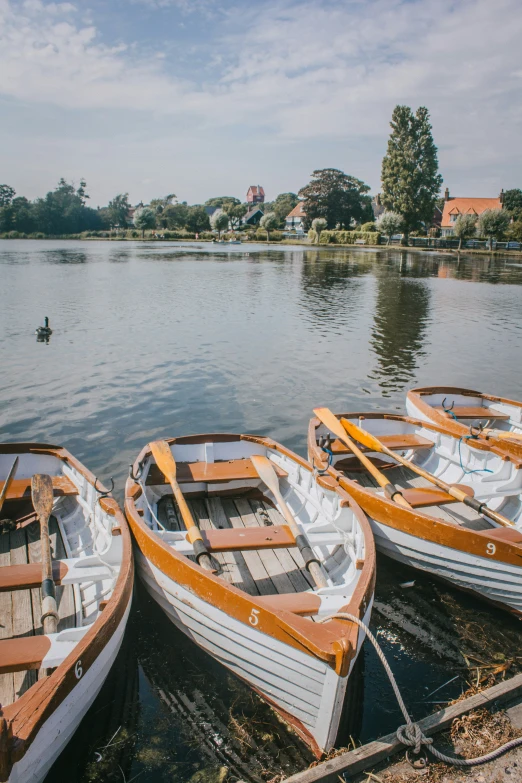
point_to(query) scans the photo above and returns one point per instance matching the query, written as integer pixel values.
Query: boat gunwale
(415, 522)
(502, 447)
(29, 712)
(334, 642)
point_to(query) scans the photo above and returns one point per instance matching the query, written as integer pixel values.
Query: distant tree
(235, 212)
(465, 228)
(118, 210)
(144, 218)
(63, 210)
(220, 201)
(493, 223)
(7, 194)
(219, 221)
(283, 205)
(269, 221)
(334, 196)
(514, 232)
(174, 216)
(318, 225)
(410, 178)
(512, 202)
(197, 220)
(389, 223)
(368, 227)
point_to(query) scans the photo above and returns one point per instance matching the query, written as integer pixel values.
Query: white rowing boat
(49, 680)
(436, 533)
(257, 614)
(466, 412)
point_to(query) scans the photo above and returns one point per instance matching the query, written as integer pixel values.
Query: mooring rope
(411, 733)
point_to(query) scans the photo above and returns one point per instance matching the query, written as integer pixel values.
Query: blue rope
(329, 463)
(465, 437)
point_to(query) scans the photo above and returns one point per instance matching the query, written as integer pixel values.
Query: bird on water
(44, 331)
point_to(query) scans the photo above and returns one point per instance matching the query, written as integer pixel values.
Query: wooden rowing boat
(464, 412)
(436, 533)
(49, 680)
(257, 613)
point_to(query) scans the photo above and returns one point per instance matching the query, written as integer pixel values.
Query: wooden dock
(356, 761)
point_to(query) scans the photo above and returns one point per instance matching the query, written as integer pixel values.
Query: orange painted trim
(27, 715)
(334, 644)
(412, 521)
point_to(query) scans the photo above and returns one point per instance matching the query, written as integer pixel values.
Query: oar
(374, 444)
(334, 425)
(267, 474)
(42, 496)
(167, 464)
(8, 482)
(500, 434)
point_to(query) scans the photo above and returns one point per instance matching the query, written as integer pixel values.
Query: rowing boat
(49, 680)
(464, 412)
(431, 530)
(258, 611)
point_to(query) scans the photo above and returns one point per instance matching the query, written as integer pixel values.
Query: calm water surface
(153, 340)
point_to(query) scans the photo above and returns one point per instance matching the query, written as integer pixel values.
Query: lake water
(153, 340)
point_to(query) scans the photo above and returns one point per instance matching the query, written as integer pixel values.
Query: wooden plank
(226, 565)
(64, 595)
(276, 518)
(243, 540)
(273, 567)
(304, 604)
(299, 582)
(169, 517)
(356, 761)
(221, 523)
(7, 693)
(210, 472)
(22, 610)
(257, 570)
(27, 576)
(472, 412)
(22, 655)
(35, 556)
(21, 488)
(400, 442)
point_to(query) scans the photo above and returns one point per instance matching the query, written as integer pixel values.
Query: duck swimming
(44, 331)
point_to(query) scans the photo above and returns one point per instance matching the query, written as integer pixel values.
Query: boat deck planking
(20, 610)
(256, 572)
(457, 513)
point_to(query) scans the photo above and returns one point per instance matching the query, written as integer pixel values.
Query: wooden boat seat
(431, 496)
(247, 539)
(509, 534)
(34, 652)
(472, 412)
(210, 472)
(304, 604)
(21, 488)
(394, 442)
(73, 571)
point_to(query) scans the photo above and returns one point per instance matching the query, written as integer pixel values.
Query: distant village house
(295, 219)
(252, 217)
(255, 195)
(455, 206)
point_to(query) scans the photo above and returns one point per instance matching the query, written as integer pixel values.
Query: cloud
(294, 71)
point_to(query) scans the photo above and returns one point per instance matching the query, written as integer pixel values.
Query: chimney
(378, 200)
(446, 194)
(501, 197)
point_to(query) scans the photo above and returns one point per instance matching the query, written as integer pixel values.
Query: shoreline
(298, 243)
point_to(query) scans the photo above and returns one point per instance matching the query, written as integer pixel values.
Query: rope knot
(410, 734)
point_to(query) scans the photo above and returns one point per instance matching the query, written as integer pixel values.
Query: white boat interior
(494, 480)
(225, 494)
(86, 552)
(470, 409)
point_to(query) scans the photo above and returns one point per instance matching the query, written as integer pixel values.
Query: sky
(203, 98)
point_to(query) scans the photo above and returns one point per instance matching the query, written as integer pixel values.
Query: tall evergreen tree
(410, 178)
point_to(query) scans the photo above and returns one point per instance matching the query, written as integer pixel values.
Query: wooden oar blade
(330, 421)
(164, 458)
(362, 436)
(266, 472)
(42, 495)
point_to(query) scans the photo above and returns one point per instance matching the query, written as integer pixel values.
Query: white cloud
(302, 70)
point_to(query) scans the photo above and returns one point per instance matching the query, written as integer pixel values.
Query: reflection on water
(167, 339)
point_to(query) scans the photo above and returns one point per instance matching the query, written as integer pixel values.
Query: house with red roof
(455, 206)
(255, 195)
(294, 221)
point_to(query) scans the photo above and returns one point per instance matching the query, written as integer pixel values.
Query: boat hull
(56, 732)
(490, 580)
(306, 691)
